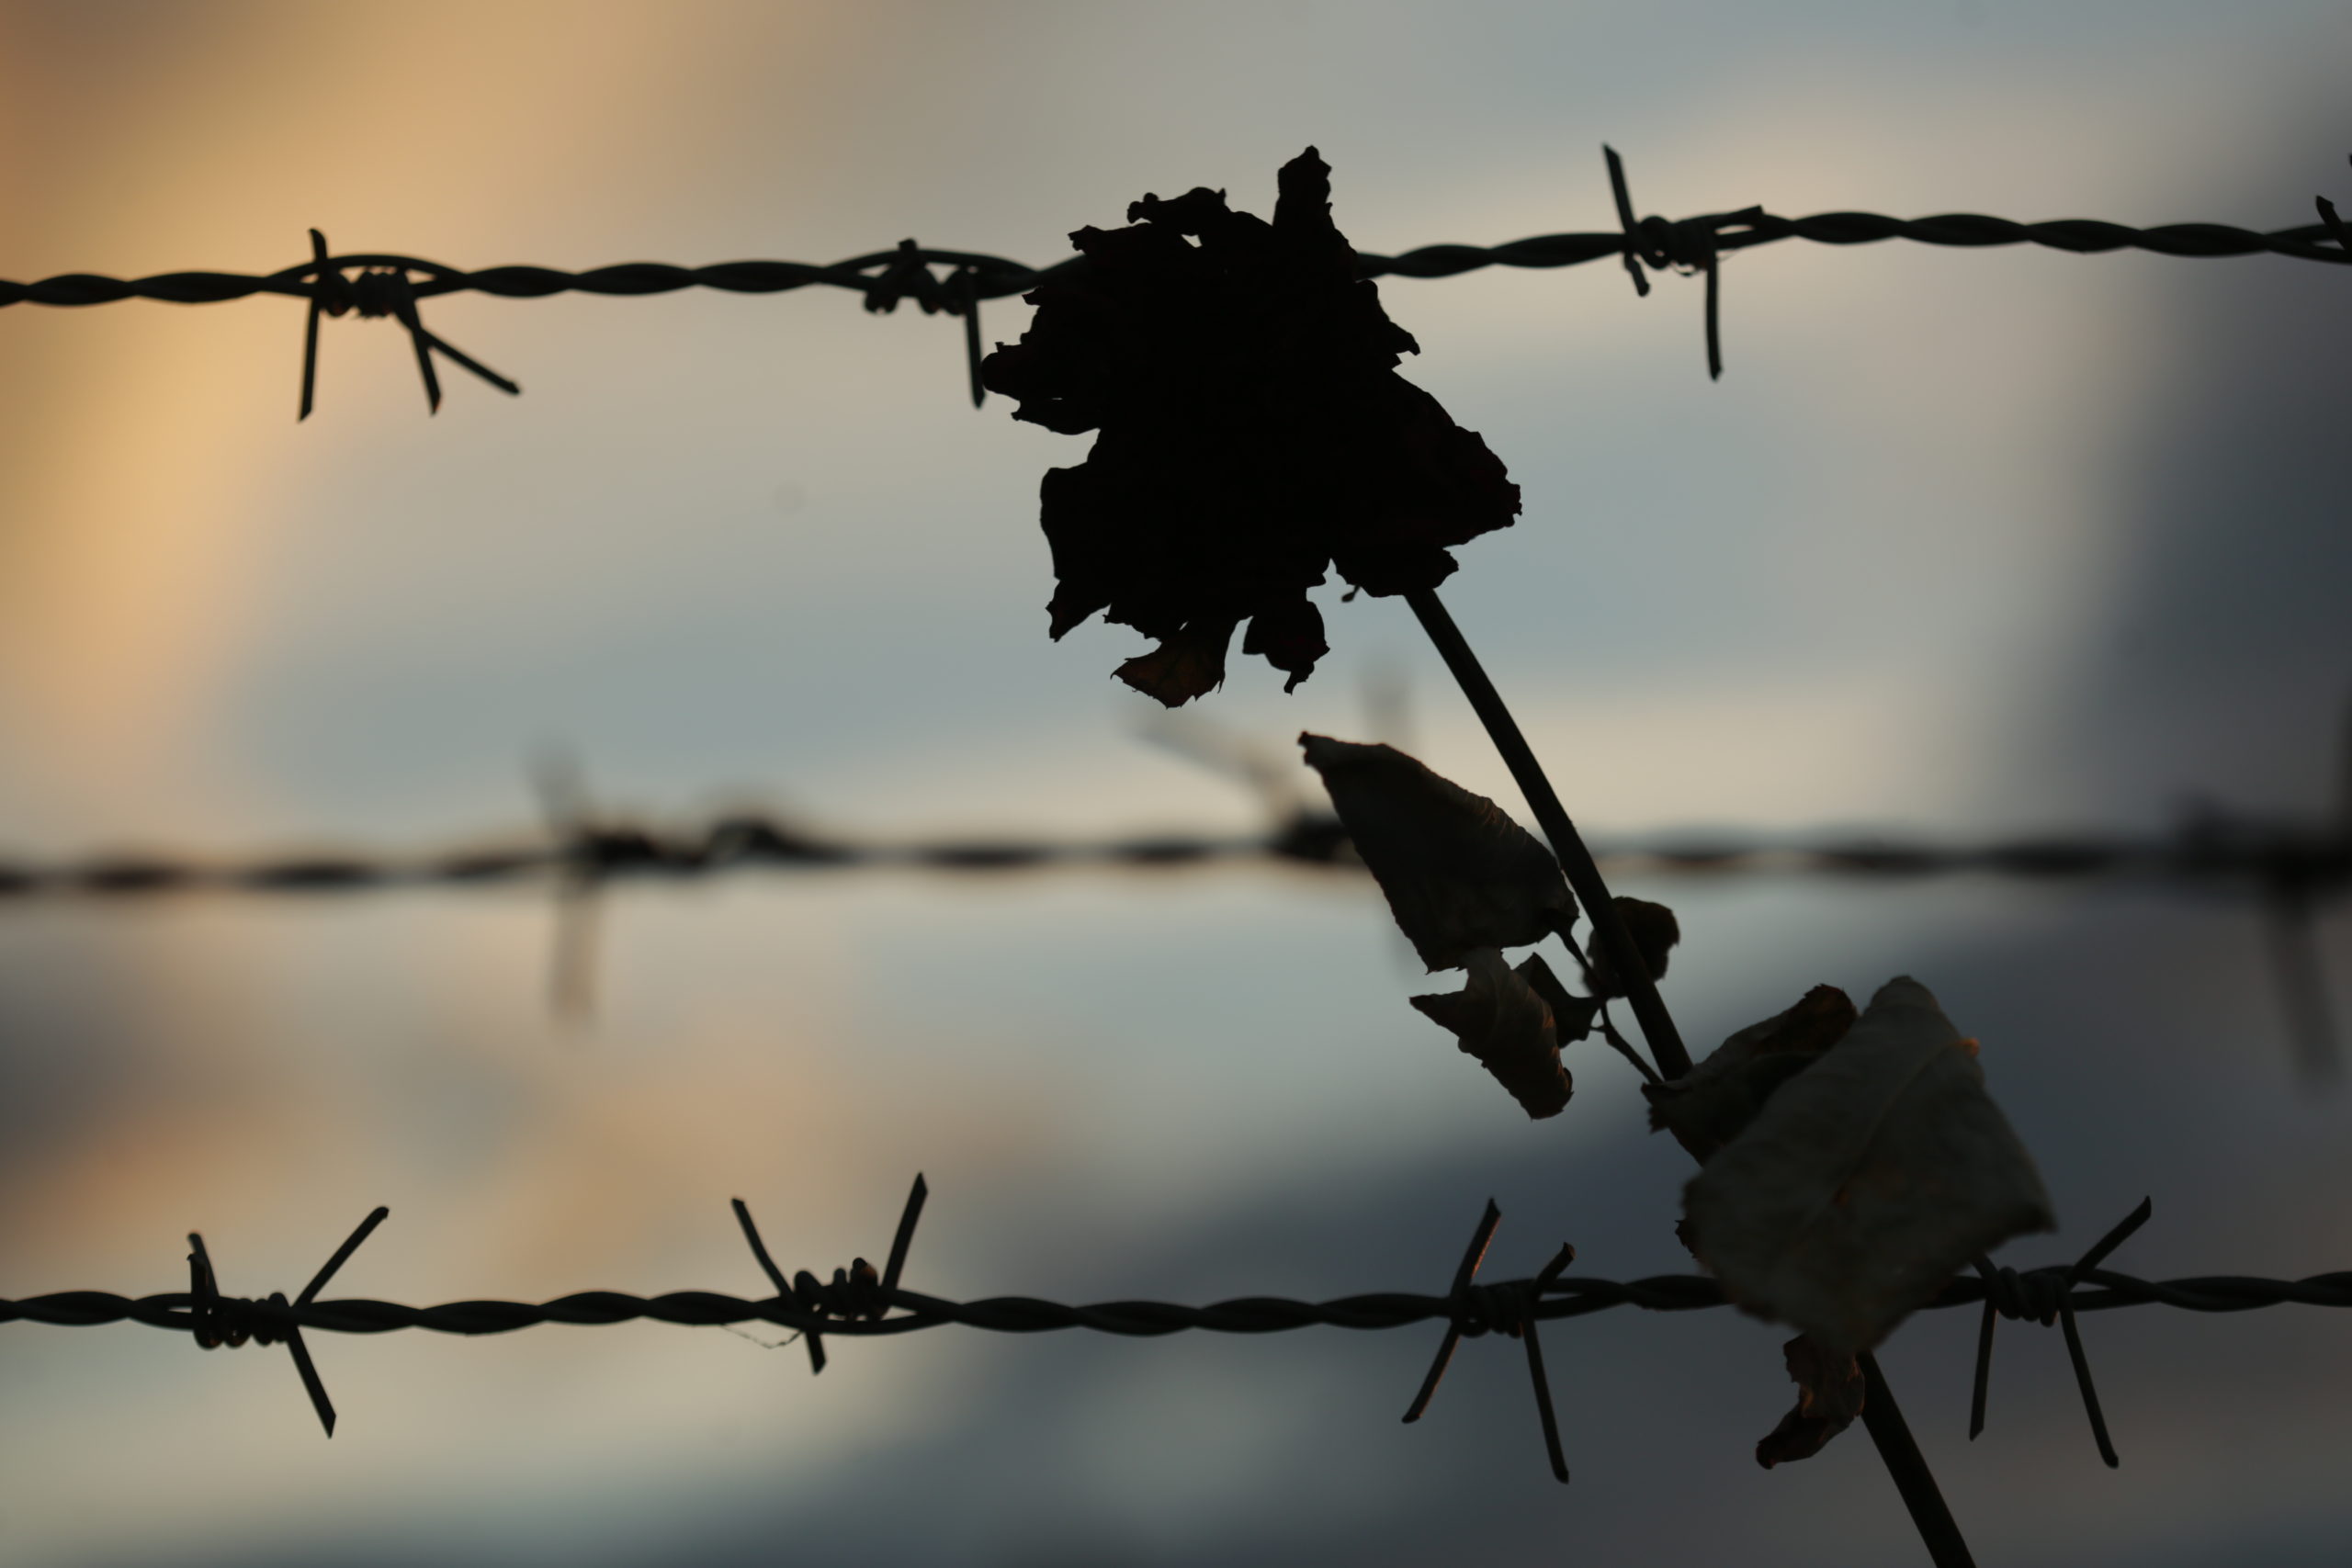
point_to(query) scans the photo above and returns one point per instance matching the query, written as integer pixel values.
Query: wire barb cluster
(378, 290)
(2040, 1296)
(1509, 1308)
(216, 1320)
(391, 285)
(857, 1293)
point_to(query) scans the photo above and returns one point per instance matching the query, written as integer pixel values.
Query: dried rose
(1254, 433)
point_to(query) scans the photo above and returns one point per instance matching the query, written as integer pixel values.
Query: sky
(1964, 541)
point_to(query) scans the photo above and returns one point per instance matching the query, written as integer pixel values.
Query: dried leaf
(1866, 1180)
(1459, 875)
(1572, 1015)
(1655, 932)
(1500, 1018)
(1829, 1395)
(1711, 1105)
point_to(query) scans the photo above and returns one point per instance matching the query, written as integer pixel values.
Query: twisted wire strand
(996, 278)
(2099, 1290)
(2314, 860)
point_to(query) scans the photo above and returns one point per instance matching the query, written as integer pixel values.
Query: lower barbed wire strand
(2098, 1291)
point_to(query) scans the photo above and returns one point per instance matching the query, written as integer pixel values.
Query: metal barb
(1535, 1293)
(968, 277)
(398, 299)
(784, 1288)
(1691, 244)
(1462, 1277)
(2042, 1295)
(1633, 255)
(330, 294)
(2302, 979)
(216, 1320)
(916, 1196)
(574, 947)
(2335, 224)
(1507, 1308)
(855, 1293)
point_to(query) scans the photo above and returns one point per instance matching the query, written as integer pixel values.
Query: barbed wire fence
(386, 286)
(2292, 866)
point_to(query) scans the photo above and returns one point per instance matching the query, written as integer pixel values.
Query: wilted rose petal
(1503, 1021)
(1711, 1105)
(1458, 873)
(1254, 433)
(1866, 1180)
(1190, 663)
(1829, 1395)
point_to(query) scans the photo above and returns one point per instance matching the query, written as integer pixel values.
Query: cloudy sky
(1963, 541)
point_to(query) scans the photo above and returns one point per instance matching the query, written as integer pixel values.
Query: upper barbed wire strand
(996, 278)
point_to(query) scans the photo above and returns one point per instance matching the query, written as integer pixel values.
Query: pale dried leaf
(1458, 873)
(1829, 1395)
(1502, 1020)
(1867, 1179)
(1710, 1106)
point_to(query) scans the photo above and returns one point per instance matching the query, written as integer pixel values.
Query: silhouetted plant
(1252, 433)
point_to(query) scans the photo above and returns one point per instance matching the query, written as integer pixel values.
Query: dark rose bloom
(1254, 433)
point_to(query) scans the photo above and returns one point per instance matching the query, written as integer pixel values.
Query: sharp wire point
(1464, 1274)
(319, 260)
(971, 279)
(367, 1228)
(905, 1233)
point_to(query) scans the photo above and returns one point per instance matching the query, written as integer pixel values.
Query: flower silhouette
(1253, 435)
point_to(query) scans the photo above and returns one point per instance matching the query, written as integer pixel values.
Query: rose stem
(1584, 877)
(1881, 1416)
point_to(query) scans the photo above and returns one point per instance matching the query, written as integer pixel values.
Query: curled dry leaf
(1458, 873)
(1572, 1015)
(1866, 1180)
(1655, 932)
(1829, 1395)
(1254, 433)
(1715, 1100)
(1500, 1016)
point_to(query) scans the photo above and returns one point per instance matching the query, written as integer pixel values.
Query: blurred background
(1964, 542)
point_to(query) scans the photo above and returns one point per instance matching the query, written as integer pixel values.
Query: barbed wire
(2291, 868)
(861, 1302)
(2315, 858)
(389, 284)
